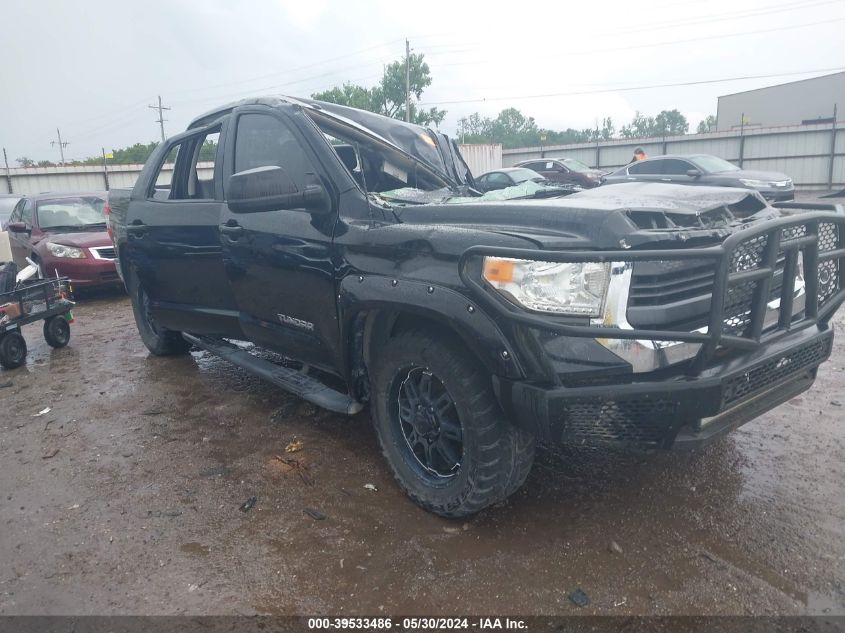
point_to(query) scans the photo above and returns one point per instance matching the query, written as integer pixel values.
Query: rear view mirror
(693, 173)
(16, 227)
(272, 189)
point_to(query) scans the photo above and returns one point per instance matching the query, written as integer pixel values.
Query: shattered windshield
(392, 178)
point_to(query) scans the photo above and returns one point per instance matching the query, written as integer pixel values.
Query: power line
(694, 21)
(489, 60)
(161, 118)
(289, 70)
(632, 88)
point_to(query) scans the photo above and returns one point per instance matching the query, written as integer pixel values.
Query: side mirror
(16, 227)
(272, 189)
(693, 173)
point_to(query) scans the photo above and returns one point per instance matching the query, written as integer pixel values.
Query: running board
(289, 379)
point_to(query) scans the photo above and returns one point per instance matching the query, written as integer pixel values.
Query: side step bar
(289, 379)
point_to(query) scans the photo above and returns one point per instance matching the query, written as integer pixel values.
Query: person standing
(639, 154)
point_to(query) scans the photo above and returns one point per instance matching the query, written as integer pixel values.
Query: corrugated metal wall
(33, 180)
(802, 151)
(482, 158)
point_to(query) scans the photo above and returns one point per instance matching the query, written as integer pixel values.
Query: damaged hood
(629, 215)
(673, 199)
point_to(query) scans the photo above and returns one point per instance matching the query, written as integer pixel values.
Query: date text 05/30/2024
(413, 624)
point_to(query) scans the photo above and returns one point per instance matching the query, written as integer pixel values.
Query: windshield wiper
(75, 227)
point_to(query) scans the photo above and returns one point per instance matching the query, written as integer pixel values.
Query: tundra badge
(289, 320)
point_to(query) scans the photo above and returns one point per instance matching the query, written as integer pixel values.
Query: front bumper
(679, 411)
(778, 195)
(83, 273)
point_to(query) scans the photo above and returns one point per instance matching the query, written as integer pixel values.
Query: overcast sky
(91, 68)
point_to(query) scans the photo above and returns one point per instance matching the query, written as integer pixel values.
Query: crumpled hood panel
(660, 196)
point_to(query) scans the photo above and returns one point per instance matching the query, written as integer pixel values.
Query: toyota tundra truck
(348, 258)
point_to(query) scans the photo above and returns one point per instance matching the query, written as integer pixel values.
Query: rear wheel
(57, 331)
(441, 429)
(12, 350)
(159, 340)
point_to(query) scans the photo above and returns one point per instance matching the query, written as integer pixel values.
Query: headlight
(60, 250)
(754, 184)
(575, 289)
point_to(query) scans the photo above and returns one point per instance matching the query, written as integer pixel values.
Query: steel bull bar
(745, 265)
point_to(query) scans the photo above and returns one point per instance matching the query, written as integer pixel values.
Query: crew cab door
(279, 261)
(172, 241)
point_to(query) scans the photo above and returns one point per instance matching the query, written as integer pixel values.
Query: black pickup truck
(348, 258)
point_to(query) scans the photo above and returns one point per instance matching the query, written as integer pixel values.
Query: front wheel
(12, 350)
(441, 429)
(159, 340)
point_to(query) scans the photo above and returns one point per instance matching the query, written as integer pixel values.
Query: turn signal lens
(498, 269)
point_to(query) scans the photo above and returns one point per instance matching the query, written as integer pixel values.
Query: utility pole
(8, 173)
(407, 81)
(61, 145)
(105, 168)
(160, 120)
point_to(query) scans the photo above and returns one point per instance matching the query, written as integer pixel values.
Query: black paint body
(324, 287)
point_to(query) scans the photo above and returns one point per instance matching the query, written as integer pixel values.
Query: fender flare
(460, 315)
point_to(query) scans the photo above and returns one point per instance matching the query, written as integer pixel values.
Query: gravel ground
(124, 499)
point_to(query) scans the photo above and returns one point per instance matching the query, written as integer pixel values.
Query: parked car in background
(7, 204)
(506, 177)
(565, 171)
(65, 233)
(705, 169)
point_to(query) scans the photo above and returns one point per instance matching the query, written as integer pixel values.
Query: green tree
(388, 97)
(514, 129)
(666, 123)
(511, 128)
(707, 125)
(46, 163)
(608, 130)
(670, 123)
(208, 151)
(23, 161)
(639, 127)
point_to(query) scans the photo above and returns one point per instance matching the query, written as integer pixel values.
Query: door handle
(232, 231)
(136, 230)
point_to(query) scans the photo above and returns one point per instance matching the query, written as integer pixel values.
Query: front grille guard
(790, 236)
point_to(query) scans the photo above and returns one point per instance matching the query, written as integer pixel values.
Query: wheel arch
(376, 309)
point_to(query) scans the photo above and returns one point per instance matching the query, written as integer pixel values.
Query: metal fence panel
(801, 151)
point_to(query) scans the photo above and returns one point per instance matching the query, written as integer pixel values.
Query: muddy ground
(124, 499)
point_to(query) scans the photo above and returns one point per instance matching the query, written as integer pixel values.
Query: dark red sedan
(66, 235)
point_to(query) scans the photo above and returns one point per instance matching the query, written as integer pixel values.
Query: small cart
(47, 300)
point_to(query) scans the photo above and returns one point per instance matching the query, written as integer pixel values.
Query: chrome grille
(104, 252)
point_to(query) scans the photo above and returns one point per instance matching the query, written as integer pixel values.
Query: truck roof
(415, 140)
